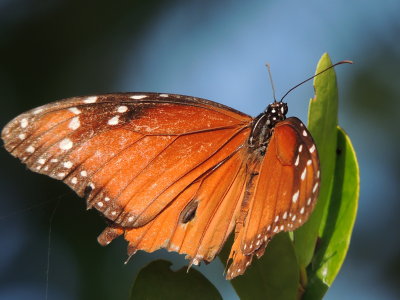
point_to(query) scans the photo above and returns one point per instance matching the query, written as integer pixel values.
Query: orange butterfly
(176, 172)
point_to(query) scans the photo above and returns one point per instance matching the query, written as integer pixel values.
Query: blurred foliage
(274, 276)
(374, 104)
(337, 226)
(53, 41)
(158, 281)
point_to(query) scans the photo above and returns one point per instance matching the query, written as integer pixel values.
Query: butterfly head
(265, 122)
(276, 112)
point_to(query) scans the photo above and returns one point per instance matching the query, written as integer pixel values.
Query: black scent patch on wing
(189, 212)
(135, 112)
(131, 114)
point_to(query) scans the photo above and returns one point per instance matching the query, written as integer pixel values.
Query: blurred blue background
(212, 49)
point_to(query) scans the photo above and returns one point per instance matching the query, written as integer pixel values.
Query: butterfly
(176, 172)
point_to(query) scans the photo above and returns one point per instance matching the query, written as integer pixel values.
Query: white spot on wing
(303, 175)
(74, 123)
(315, 187)
(312, 149)
(74, 180)
(74, 110)
(174, 248)
(61, 174)
(309, 162)
(297, 160)
(22, 136)
(67, 164)
(37, 111)
(164, 95)
(138, 97)
(83, 173)
(24, 123)
(295, 196)
(304, 132)
(66, 144)
(318, 173)
(100, 204)
(41, 161)
(122, 109)
(113, 120)
(300, 147)
(30, 149)
(91, 99)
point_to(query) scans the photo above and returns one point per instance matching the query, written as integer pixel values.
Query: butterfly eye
(284, 108)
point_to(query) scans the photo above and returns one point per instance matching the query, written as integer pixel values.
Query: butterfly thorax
(263, 125)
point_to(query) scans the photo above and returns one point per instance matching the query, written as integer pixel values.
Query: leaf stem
(303, 281)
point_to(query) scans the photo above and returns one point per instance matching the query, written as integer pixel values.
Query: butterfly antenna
(297, 85)
(272, 82)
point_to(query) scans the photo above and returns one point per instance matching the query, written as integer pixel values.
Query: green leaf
(274, 276)
(158, 281)
(341, 216)
(322, 122)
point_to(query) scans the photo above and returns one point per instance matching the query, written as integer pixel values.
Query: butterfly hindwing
(285, 191)
(199, 220)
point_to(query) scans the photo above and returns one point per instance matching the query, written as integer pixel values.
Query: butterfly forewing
(128, 154)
